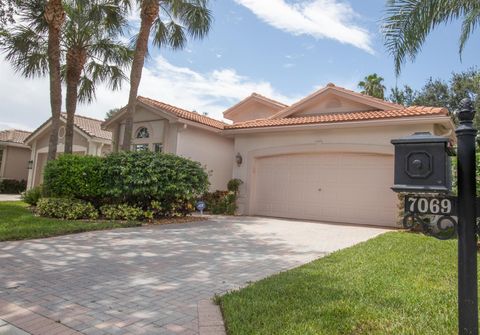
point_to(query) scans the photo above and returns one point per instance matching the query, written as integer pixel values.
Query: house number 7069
(429, 205)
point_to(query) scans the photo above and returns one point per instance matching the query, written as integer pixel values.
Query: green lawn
(18, 223)
(398, 283)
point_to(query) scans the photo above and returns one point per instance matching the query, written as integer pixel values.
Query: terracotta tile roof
(412, 111)
(332, 86)
(184, 114)
(91, 126)
(14, 135)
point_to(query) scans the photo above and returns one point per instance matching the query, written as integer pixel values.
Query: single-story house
(327, 157)
(88, 139)
(14, 154)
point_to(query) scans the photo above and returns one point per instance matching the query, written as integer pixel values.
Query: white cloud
(25, 103)
(318, 18)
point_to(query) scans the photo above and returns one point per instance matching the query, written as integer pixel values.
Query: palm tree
(169, 21)
(93, 54)
(408, 22)
(373, 85)
(89, 52)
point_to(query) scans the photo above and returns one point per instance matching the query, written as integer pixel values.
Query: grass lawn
(18, 223)
(397, 283)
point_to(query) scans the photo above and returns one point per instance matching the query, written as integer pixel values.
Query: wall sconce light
(30, 165)
(239, 159)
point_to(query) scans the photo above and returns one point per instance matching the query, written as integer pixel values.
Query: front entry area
(334, 187)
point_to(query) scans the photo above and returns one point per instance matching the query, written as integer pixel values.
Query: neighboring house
(88, 139)
(14, 154)
(327, 157)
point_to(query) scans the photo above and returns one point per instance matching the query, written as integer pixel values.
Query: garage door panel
(341, 187)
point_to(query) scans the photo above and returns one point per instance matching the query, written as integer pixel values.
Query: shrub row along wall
(170, 182)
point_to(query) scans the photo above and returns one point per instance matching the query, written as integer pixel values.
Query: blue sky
(279, 48)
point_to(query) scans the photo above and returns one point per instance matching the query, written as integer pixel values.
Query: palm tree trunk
(71, 104)
(76, 59)
(148, 15)
(55, 16)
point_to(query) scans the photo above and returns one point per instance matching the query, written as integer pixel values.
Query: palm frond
(408, 22)
(469, 24)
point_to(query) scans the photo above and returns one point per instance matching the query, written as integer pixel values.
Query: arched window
(142, 133)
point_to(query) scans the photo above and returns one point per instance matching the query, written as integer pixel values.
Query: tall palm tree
(93, 53)
(89, 52)
(169, 21)
(373, 85)
(408, 22)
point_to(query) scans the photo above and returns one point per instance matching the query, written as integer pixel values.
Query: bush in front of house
(68, 209)
(121, 212)
(158, 184)
(12, 186)
(224, 202)
(74, 176)
(32, 195)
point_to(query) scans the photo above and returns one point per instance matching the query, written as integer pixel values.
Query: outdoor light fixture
(239, 159)
(30, 164)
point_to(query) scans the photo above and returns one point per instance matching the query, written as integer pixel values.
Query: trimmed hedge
(75, 176)
(12, 186)
(138, 179)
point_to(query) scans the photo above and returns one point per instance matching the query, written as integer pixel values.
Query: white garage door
(337, 187)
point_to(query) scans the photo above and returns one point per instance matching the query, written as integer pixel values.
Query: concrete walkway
(151, 280)
(9, 197)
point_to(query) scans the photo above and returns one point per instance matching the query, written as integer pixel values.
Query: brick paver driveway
(149, 280)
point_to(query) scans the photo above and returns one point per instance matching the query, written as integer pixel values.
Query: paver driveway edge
(210, 320)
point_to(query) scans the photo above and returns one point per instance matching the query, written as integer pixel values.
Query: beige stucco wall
(359, 139)
(15, 163)
(212, 150)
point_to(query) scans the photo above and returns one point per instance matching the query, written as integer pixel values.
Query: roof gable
(332, 99)
(256, 104)
(89, 127)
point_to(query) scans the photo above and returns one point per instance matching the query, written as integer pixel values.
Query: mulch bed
(177, 220)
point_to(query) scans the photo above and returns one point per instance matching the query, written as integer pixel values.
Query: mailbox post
(467, 217)
(422, 167)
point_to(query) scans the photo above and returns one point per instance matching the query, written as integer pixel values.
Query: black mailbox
(422, 164)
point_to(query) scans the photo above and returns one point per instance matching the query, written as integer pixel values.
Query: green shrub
(12, 186)
(32, 195)
(122, 212)
(141, 177)
(68, 209)
(75, 176)
(234, 185)
(134, 178)
(224, 202)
